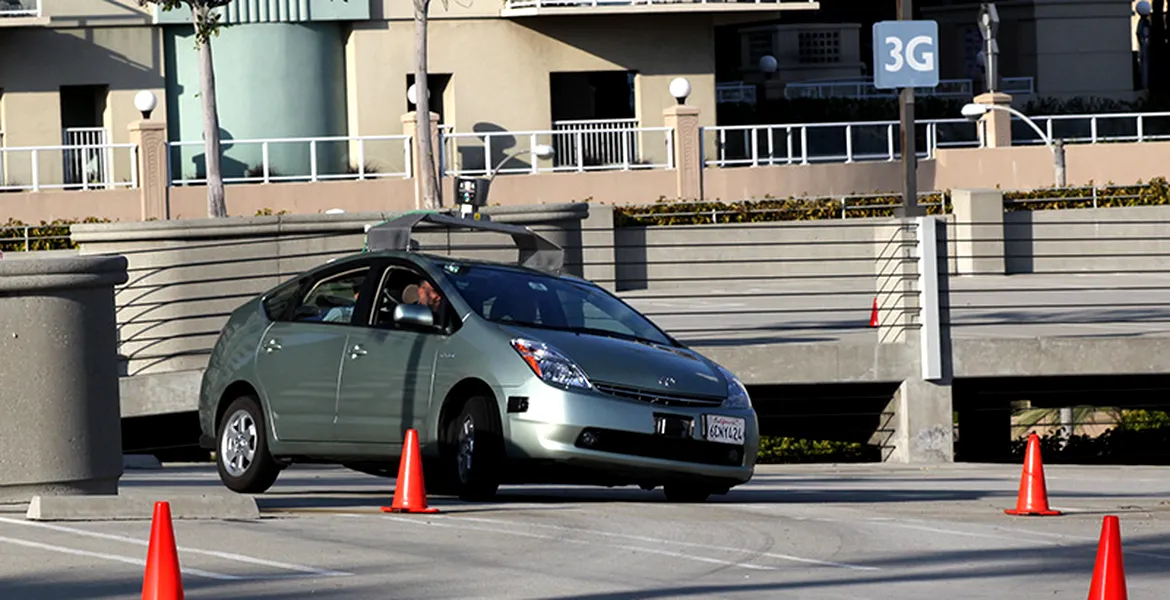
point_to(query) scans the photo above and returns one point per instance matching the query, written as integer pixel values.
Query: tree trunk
(426, 162)
(216, 207)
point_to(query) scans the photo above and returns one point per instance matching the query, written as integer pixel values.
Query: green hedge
(48, 235)
(769, 209)
(778, 450)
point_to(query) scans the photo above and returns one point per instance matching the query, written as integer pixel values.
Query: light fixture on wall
(145, 102)
(412, 95)
(680, 88)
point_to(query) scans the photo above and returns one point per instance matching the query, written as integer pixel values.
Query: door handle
(357, 351)
(273, 346)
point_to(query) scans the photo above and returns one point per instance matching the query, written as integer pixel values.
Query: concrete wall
(1102, 240)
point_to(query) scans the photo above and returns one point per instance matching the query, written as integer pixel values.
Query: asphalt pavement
(873, 531)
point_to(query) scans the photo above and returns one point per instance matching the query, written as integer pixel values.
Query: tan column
(409, 127)
(688, 155)
(996, 124)
(151, 139)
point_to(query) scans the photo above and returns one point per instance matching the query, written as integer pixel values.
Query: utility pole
(910, 207)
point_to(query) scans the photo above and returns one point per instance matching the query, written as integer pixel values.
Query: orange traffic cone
(873, 315)
(163, 580)
(1033, 497)
(410, 493)
(1109, 572)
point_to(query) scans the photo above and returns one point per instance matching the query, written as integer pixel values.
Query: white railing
(864, 88)
(35, 168)
(296, 159)
(88, 159)
(20, 8)
(513, 4)
(609, 142)
(735, 92)
(1094, 129)
(804, 143)
(478, 153)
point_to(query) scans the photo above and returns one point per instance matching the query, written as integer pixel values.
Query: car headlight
(737, 394)
(550, 365)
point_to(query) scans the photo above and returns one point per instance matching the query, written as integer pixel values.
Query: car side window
(402, 285)
(333, 299)
(277, 303)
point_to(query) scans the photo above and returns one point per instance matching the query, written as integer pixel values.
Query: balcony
(531, 8)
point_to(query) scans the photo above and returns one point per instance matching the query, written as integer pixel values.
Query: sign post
(904, 58)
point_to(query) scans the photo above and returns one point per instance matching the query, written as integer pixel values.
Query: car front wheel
(242, 457)
(476, 443)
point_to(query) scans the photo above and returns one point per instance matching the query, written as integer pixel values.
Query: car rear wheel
(474, 460)
(242, 457)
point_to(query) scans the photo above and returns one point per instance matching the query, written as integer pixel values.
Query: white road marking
(225, 555)
(651, 540)
(141, 562)
(716, 561)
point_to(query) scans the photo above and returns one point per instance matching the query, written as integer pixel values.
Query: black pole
(910, 207)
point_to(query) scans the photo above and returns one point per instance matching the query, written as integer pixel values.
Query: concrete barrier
(61, 434)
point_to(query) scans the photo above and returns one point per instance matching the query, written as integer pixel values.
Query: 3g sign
(905, 54)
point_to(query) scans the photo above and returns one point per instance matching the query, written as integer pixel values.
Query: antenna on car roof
(535, 250)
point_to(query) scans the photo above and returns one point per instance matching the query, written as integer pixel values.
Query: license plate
(726, 430)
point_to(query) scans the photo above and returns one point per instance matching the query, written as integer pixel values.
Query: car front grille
(656, 398)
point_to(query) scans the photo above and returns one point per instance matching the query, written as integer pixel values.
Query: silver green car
(509, 374)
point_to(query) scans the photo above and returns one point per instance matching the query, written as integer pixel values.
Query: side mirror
(414, 315)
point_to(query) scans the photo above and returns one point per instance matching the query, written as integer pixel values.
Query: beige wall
(72, 13)
(500, 68)
(127, 59)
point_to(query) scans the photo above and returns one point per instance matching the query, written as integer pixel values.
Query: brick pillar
(153, 186)
(997, 124)
(688, 153)
(409, 127)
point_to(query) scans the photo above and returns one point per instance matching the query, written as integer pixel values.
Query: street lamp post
(974, 111)
(472, 192)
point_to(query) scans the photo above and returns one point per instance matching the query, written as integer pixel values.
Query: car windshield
(509, 296)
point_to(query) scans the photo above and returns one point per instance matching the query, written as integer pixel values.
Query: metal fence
(595, 149)
(295, 159)
(795, 143)
(84, 166)
(865, 88)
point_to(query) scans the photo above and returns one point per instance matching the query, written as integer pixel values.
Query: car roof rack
(535, 251)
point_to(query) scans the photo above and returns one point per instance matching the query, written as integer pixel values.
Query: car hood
(633, 364)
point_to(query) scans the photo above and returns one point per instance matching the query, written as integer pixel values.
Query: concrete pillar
(688, 152)
(61, 434)
(996, 124)
(598, 247)
(409, 127)
(918, 424)
(979, 233)
(897, 275)
(151, 139)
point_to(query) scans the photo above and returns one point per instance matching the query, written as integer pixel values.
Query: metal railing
(297, 159)
(608, 142)
(515, 4)
(89, 158)
(27, 238)
(804, 143)
(778, 209)
(1095, 128)
(735, 92)
(864, 88)
(20, 8)
(70, 167)
(478, 153)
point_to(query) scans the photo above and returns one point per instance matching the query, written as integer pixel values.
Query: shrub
(53, 235)
(776, 450)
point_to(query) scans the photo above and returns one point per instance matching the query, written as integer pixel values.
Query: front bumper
(609, 433)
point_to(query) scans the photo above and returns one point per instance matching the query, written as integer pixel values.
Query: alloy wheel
(466, 448)
(237, 444)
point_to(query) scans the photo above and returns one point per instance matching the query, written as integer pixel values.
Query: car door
(300, 355)
(387, 370)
